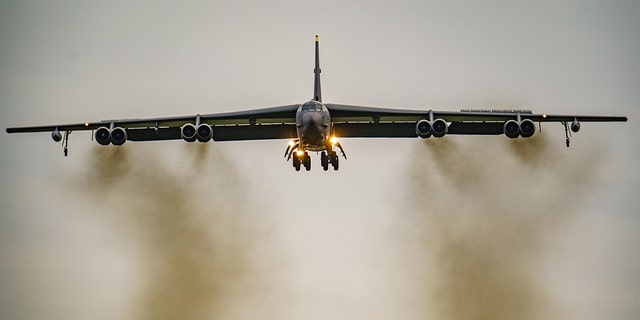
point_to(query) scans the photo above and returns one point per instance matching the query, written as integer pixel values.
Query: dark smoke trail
(189, 221)
(482, 210)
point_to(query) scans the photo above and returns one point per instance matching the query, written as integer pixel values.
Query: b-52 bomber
(315, 126)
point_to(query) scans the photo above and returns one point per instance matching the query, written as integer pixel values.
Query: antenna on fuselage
(317, 94)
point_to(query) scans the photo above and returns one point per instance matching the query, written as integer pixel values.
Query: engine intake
(423, 129)
(188, 132)
(439, 128)
(204, 132)
(103, 135)
(118, 136)
(527, 128)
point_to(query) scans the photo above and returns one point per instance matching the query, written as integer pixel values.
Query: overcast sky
(460, 227)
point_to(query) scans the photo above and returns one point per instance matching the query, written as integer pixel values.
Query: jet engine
(188, 132)
(439, 128)
(423, 129)
(105, 136)
(513, 129)
(204, 132)
(527, 128)
(426, 128)
(118, 136)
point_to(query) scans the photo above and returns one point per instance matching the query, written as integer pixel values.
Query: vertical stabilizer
(317, 94)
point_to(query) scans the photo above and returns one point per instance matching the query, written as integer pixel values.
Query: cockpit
(312, 106)
(315, 113)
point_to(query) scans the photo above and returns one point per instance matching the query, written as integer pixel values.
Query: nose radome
(312, 118)
(307, 118)
(317, 118)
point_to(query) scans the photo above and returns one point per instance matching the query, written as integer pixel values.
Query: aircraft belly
(313, 138)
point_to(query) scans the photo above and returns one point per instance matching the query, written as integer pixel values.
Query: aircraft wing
(257, 124)
(359, 121)
(348, 121)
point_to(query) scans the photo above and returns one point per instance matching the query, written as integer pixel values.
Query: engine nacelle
(103, 136)
(188, 132)
(527, 128)
(56, 135)
(437, 128)
(575, 126)
(423, 129)
(511, 129)
(204, 132)
(118, 136)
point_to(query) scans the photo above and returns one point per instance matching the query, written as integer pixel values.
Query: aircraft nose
(312, 119)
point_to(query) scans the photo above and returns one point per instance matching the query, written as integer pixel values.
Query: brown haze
(481, 215)
(193, 242)
(479, 219)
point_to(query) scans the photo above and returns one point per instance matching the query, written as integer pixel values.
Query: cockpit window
(311, 106)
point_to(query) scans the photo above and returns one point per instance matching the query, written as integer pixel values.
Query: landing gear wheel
(335, 161)
(296, 162)
(307, 161)
(324, 160)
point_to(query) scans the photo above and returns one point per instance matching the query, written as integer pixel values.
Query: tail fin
(317, 94)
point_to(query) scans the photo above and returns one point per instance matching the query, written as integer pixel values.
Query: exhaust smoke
(188, 221)
(481, 213)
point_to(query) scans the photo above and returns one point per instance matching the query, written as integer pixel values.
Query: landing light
(333, 140)
(544, 116)
(300, 153)
(291, 143)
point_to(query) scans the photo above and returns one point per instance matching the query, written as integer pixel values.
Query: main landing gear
(301, 158)
(331, 158)
(304, 160)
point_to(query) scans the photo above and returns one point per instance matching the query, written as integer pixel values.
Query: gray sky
(168, 229)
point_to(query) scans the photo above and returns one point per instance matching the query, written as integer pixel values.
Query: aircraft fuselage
(313, 126)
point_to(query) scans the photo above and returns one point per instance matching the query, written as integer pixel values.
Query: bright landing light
(333, 140)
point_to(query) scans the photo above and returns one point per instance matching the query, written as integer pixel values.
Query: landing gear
(300, 157)
(331, 158)
(335, 161)
(307, 161)
(302, 160)
(324, 160)
(296, 162)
